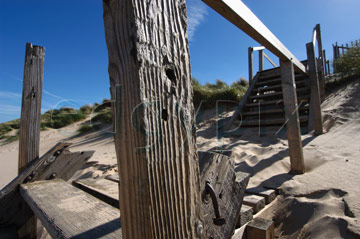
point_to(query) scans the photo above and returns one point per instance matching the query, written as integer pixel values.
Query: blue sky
(72, 32)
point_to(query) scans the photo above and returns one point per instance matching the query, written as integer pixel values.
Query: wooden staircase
(263, 105)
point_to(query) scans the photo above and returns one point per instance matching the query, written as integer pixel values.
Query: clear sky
(72, 32)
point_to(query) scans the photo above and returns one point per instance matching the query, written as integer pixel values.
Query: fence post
(29, 133)
(325, 62)
(315, 100)
(250, 59)
(261, 60)
(292, 116)
(155, 144)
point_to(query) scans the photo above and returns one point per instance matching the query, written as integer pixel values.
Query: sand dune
(322, 203)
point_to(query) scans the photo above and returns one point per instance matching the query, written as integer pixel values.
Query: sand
(322, 203)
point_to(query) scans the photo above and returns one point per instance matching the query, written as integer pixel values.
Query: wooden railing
(344, 49)
(262, 55)
(241, 16)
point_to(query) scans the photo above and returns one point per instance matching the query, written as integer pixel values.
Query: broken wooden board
(57, 162)
(68, 212)
(229, 187)
(103, 189)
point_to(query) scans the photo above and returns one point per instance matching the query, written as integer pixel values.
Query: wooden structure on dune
(165, 188)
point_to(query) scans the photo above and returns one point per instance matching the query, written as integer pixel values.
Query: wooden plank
(256, 202)
(229, 187)
(315, 91)
(68, 212)
(29, 132)
(104, 190)
(155, 135)
(304, 98)
(292, 116)
(299, 90)
(268, 194)
(114, 178)
(241, 16)
(58, 162)
(260, 229)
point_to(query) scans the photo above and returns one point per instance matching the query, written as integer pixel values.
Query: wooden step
(275, 87)
(275, 102)
(103, 189)
(263, 112)
(68, 212)
(268, 122)
(277, 81)
(298, 90)
(270, 111)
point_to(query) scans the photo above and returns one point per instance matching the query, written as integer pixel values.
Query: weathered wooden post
(326, 72)
(29, 138)
(261, 60)
(316, 120)
(250, 59)
(149, 65)
(320, 63)
(292, 116)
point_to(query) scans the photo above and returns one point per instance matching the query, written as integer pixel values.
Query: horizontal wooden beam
(241, 16)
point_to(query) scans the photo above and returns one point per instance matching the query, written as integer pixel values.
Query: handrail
(262, 54)
(241, 16)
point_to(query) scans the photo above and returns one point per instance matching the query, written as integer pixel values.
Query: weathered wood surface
(229, 187)
(246, 215)
(155, 134)
(241, 16)
(256, 202)
(103, 189)
(292, 116)
(68, 212)
(315, 99)
(261, 60)
(250, 62)
(268, 194)
(58, 162)
(29, 132)
(260, 229)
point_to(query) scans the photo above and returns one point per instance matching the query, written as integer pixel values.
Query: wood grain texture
(292, 117)
(59, 161)
(155, 134)
(103, 189)
(315, 98)
(29, 140)
(68, 212)
(241, 16)
(29, 133)
(229, 187)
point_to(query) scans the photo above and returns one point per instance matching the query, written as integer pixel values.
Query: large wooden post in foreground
(149, 64)
(29, 138)
(315, 121)
(292, 116)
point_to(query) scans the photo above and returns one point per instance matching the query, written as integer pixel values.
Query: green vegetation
(209, 94)
(60, 118)
(349, 63)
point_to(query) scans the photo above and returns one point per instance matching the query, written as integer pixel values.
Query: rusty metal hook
(218, 220)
